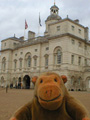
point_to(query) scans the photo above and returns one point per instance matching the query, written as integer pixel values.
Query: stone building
(64, 49)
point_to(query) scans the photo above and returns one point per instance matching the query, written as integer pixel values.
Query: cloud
(14, 12)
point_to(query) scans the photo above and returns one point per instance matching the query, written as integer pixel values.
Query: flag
(26, 25)
(39, 20)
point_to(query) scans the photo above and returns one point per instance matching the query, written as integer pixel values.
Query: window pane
(79, 81)
(79, 60)
(20, 63)
(35, 62)
(73, 28)
(58, 57)
(46, 61)
(85, 62)
(58, 28)
(15, 64)
(29, 61)
(73, 41)
(89, 83)
(72, 59)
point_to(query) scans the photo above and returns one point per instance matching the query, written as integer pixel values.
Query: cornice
(6, 50)
(66, 19)
(69, 35)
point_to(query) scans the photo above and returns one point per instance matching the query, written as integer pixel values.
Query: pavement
(15, 98)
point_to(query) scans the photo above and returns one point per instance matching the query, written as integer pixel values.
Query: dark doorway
(26, 82)
(19, 83)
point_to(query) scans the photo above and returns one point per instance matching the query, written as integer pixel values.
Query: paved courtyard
(11, 101)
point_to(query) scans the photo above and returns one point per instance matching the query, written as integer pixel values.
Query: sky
(14, 12)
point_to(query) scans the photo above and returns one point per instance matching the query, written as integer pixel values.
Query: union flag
(26, 25)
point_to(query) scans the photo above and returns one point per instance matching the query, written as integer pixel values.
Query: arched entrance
(14, 82)
(26, 82)
(88, 83)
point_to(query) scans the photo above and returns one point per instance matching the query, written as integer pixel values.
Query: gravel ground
(11, 101)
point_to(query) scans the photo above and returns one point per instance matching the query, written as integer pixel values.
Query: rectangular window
(4, 44)
(85, 47)
(73, 41)
(35, 50)
(15, 64)
(21, 53)
(79, 44)
(73, 28)
(72, 59)
(79, 60)
(46, 61)
(85, 62)
(47, 48)
(58, 28)
(79, 30)
(15, 54)
(14, 44)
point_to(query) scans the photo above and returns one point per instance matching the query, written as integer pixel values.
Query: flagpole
(38, 30)
(26, 26)
(39, 25)
(24, 34)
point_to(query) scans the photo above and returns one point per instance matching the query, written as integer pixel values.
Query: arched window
(72, 80)
(89, 83)
(79, 80)
(15, 64)
(20, 60)
(57, 56)
(28, 60)
(54, 11)
(4, 64)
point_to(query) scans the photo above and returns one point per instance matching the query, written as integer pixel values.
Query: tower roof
(53, 17)
(54, 13)
(54, 6)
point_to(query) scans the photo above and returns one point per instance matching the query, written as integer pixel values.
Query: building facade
(64, 49)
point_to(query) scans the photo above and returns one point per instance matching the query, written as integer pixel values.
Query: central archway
(26, 82)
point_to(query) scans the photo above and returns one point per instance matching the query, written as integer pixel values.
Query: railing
(31, 42)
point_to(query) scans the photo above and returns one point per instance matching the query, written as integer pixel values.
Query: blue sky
(14, 12)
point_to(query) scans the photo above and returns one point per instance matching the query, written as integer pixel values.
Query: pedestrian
(6, 88)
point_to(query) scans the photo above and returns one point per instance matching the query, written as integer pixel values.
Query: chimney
(77, 21)
(22, 38)
(87, 33)
(31, 34)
